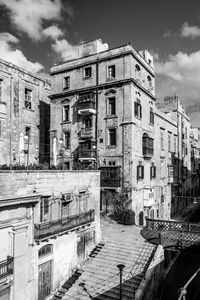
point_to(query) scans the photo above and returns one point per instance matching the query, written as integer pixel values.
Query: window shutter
(151, 172)
(142, 172)
(138, 172)
(140, 111)
(135, 108)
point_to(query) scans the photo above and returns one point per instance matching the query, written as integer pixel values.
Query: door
(141, 218)
(5, 294)
(44, 280)
(81, 248)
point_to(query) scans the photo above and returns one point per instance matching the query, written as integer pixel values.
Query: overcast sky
(35, 33)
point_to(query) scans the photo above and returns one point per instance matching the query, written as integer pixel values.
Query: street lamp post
(120, 267)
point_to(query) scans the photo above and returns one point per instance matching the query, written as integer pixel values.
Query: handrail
(165, 225)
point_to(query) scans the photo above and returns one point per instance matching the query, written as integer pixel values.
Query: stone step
(115, 260)
(119, 252)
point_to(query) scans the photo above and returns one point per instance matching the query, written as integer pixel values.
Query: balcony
(6, 267)
(50, 229)
(88, 155)
(87, 133)
(86, 104)
(111, 176)
(147, 146)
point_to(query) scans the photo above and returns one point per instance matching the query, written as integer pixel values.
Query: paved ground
(100, 277)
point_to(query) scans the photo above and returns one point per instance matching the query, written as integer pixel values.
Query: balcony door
(44, 280)
(81, 247)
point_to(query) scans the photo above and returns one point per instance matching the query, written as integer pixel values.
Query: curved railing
(171, 233)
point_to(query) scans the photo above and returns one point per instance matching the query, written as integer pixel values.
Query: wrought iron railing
(163, 225)
(6, 267)
(52, 228)
(87, 154)
(171, 233)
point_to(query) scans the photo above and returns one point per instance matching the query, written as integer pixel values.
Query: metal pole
(120, 267)
(27, 156)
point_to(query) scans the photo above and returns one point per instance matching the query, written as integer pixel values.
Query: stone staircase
(100, 275)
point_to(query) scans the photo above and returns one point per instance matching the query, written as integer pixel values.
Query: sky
(35, 34)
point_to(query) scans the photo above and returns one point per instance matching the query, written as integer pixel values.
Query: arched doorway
(141, 218)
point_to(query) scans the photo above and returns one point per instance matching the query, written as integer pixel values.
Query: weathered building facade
(50, 222)
(103, 116)
(24, 116)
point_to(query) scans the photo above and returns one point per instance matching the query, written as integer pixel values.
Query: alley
(100, 278)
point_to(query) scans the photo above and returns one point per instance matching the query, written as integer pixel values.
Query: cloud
(9, 53)
(65, 49)
(167, 34)
(53, 32)
(28, 15)
(180, 74)
(188, 31)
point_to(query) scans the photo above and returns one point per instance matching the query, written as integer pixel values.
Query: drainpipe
(96, 119)
(11, 96)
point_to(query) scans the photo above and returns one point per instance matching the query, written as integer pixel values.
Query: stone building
(49, 224)
(103, 116)
(186, 181)
(24, 116)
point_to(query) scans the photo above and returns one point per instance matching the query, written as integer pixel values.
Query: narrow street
(100, 278)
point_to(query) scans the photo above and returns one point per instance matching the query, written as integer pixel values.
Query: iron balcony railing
(52, 228)
(6, 267)
(110, 176)
(87, 154)
(87, 132)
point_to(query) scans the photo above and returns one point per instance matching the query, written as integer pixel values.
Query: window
(151, 116)
(1, 89)
(186, 132)
(45, 250)
(140, 172)
(137, 72)
(138, 109)
(162, 196)
(169, 142)
(83, 202)
(111, 106)
(112, 137)
(162, 139)
(175, 145)
(147, 145)
(112, 163)
(66, 82)
(44, 209)
(27, 100)
(152, 172)
(149, 81)
(88, 123)
(67, 140)
(66, 111)
(111, 71)
(87, 72)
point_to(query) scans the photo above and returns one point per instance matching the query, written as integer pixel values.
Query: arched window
(149, 82)
(137, 72)
(45, 250)
(147, 146)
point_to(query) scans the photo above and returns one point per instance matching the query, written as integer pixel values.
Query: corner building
(24, 116)
(102, 116)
